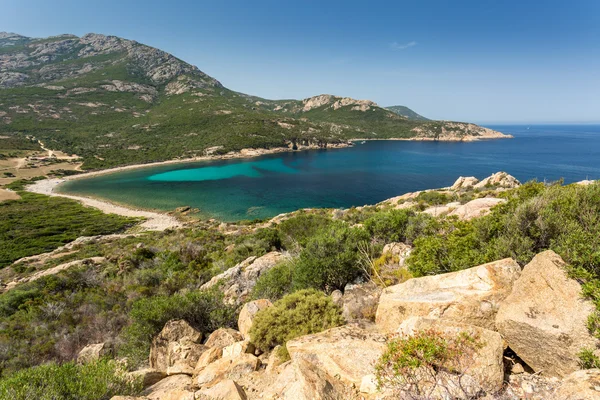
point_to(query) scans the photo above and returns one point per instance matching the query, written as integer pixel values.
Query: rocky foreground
(530, 326)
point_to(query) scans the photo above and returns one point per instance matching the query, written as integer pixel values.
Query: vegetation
(428, 362)
(100, 380)
(297, 314)
(25, 231)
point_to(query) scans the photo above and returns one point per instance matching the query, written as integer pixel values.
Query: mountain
(114, 101)
(407, 112)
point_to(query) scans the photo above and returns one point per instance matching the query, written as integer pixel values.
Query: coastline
(158, 221)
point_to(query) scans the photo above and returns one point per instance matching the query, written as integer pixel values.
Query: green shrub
(433, 198)
(297, 314)
(204, 310)
(389, 226)
(275, 283)
(416, 366)
(588, 360)
(298, 230)
(99, 380)
(330, 259)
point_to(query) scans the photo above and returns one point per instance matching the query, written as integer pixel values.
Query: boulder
(208, 357)
(223, 337)
(476, 208)
(464, 182)
(93, 352)
(176, 349)
(301, 380)
(360, 302)
(274, 360)
(175, 387)
(544, 319)
(486, 366)
(227, 368)
(224, 390)
(237, 282)
(499, 179)
(238, 348)
(580, 385)
(399, 250)
(247, 314)
(471, 296)
(148, 376)
(347, 352)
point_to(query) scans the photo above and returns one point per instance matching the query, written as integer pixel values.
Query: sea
(367, 173)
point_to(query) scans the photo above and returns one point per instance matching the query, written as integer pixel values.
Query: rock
(224, 390)
(398, 249)
(301, 380)
(227, 368)
(175, 387)
(237, 282)
(499, 179)
(486, 367)
(336, 297)
(347, 352)
(464, 182)
(176, 349)
(238, 348)
(208, 357)
(247, 314)
(580, 385)
(274, 360)
(148, 376)
(544, 319)
(476, 208)
(223, 337)
(471, 296)
(392, 264)
(93, 352)
(360, 302)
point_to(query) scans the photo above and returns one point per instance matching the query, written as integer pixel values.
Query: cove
(367, 173)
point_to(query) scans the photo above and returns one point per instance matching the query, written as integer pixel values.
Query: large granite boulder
(176, 349)
(347, 352)
(148, 376)
(223, 337)
(227, 368)
(476, 208)
(580, 385)
(470, 296)
(237, 282)
(302, 380)
(247, 314)
(544, 319)
(486, 365)
(464, 182)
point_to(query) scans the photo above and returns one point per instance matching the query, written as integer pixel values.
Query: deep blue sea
(364, 174)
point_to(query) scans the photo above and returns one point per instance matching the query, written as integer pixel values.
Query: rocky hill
(114, 101)
(407, 112)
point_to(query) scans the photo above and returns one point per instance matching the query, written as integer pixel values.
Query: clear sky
(474, 60)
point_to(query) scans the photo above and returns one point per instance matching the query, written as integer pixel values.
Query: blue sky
(482, 61)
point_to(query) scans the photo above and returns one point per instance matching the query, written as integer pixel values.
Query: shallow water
(364, 174)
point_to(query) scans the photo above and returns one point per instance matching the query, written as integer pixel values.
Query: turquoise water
(364, 174)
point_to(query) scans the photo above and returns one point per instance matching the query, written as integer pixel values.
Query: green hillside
(407, 112)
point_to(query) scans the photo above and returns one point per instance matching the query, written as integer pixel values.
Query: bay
(367, 173)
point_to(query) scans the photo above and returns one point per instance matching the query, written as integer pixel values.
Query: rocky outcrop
(348, 353)
(543, 320)
(499, 179)
(176, 349)
(464, 182)
(470, 296)
(237, 282)
(580, 385)
(247, 314)
(336, 103)
(176, 387)
(94, 352)
(476, 208)
(147, 376)
(485, 366)
(227, 368)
